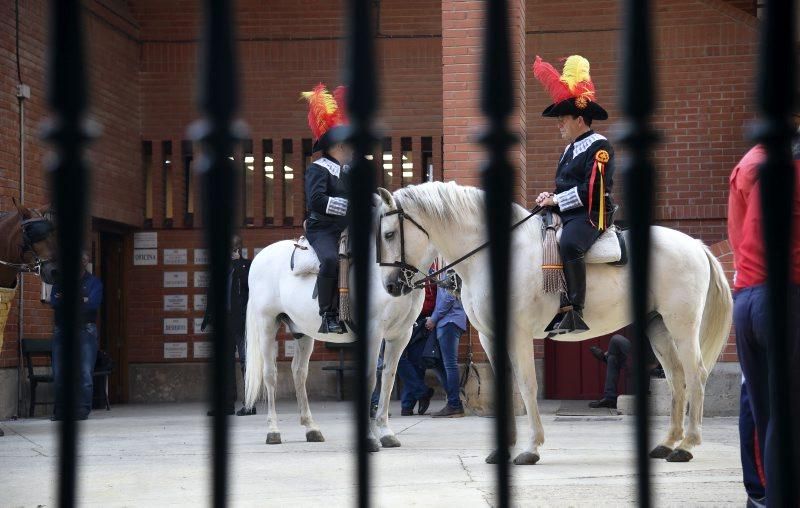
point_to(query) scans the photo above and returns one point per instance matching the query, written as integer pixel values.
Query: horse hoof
(315, 436)
(660, 452)
(526, 459)
(274, 438)
(390, 442)
(680, 456)
(373, 445)
(494, 457)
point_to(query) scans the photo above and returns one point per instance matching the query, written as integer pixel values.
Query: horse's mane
(448, 202)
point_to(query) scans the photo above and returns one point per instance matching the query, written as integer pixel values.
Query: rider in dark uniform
(327, 188)
(584, 178)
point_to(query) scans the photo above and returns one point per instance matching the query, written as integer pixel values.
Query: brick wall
(113, 61)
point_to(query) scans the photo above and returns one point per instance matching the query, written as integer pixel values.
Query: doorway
(110, 252)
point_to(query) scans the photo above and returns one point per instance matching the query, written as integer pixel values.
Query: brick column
(462, 122)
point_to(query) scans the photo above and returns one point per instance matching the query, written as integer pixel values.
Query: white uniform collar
(332, 167)
(581, 146)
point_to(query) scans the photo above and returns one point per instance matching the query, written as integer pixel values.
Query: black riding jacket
(574, 174)
(327, 191)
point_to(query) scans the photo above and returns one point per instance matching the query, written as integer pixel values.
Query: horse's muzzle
(49, 272)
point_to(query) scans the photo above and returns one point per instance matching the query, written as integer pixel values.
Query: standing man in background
(91, 291)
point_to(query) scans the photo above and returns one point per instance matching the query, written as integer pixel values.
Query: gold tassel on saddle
(552, 268)
(345, 308)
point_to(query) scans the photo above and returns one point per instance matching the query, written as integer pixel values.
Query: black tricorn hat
(572, 91)
(577, 106)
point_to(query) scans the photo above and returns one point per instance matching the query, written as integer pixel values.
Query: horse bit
(33, 231)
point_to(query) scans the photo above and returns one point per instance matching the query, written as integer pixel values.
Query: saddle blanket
(606, 250)
(304, 260)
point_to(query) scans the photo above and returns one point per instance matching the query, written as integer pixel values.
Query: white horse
(279, 295)
(690, 299)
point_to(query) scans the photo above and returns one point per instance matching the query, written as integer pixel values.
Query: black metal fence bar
(219, 101)
(777, 98)
(66, 95)
(362, 103)
(497, 103)
(637, 103)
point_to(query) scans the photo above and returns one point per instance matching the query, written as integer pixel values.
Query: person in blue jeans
(91, 291)
(450, 322)
(752, 469)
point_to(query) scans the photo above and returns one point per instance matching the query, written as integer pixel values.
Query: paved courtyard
(158, 455)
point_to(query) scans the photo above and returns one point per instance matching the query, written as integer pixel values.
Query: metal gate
(218, 131)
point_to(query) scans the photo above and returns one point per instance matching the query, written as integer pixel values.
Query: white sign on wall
(175, 257)
(198, 323)
(175, 279)
(202, 350)
(176, 303)
(201, 279)
(200, 302)
(290, 348)
(201, 256)
(145, 240)
(176, 350)
(145, 257)
(176, 326)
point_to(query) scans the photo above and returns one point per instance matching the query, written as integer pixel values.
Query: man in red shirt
(745, 234)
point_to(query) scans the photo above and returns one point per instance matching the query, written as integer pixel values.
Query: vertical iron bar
(497, 103)
(777, 98)
(638, 104)
(219, 101)
(69, 132)
(362, 102)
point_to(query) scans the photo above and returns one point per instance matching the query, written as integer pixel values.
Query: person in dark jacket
(91, 294)
(327, 189)
(237, 295)
(584, 179)
(450, 322)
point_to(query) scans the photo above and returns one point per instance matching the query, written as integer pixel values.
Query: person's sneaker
(449, 412)
(425, 402)
(609, 403)
(407, 411)
(599, 354)
(246, 412)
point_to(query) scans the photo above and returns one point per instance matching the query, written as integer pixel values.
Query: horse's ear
(20, 209)
(387, 198)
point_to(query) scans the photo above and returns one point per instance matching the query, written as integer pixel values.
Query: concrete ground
(158, 455)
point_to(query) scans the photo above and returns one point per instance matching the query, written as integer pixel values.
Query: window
(288, 184)
(248, 168)
(427, 159)
(387, 163)
(269, 181)
(166, 153)
(407, 161)
(187, 156)
(147, 168)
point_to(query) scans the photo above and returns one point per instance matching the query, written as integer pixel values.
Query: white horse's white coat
(689, 291)
(278, 295)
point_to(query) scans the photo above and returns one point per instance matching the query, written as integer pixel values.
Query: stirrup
(331, 324)
(570, 321)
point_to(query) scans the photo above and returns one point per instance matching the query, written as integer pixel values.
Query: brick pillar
(462, 50)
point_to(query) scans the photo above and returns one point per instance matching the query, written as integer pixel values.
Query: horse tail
(715, 327)
(254, 370)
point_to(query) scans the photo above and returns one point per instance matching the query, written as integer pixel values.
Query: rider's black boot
(326, 286)
(571, 318)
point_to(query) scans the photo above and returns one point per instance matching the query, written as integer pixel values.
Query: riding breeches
(577, 237)
(325, 241)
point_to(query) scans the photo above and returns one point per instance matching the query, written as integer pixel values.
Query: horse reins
(409, 271)
(32, 233)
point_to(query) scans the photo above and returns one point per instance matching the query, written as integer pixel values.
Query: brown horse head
(27, 245)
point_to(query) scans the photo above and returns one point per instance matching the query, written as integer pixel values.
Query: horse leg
(269, 345)
(373, 350)
(688, 345)
(525, 374)
(391, 356)
(497, 455)
(305, 346)
(667, 354)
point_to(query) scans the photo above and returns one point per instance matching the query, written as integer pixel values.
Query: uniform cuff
(336, 206)
(568, 200)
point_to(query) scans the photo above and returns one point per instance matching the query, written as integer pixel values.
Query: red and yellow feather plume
(323, 110)
(573, 82)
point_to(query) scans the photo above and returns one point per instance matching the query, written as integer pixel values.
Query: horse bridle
(33, 231)
(407, 271)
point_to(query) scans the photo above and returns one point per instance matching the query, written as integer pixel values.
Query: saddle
(610, 248)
